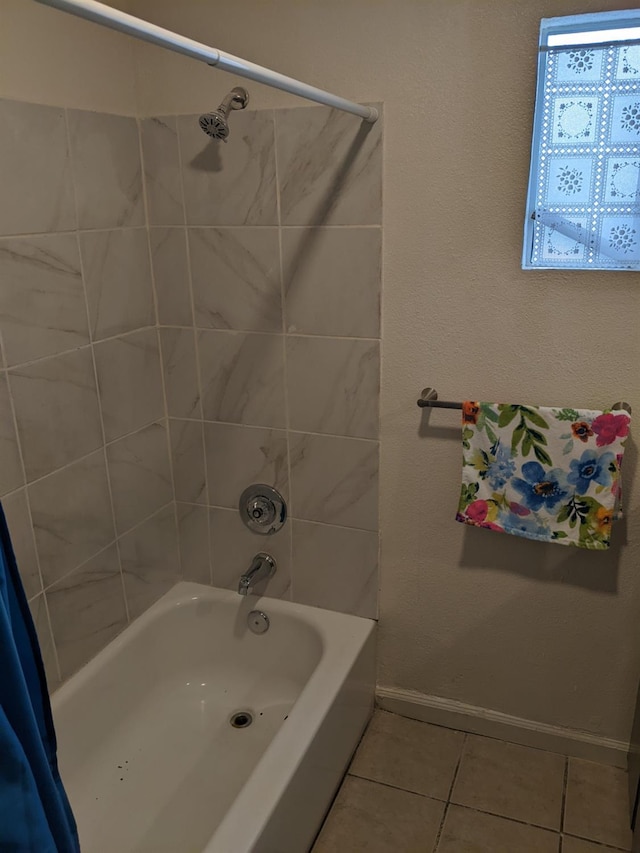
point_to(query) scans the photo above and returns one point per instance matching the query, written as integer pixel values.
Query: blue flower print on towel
(525, 525)
(541, 488)
(592, 467)
(501, 468)
(549, 474)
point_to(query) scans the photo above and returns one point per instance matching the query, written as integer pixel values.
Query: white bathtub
(148, 756)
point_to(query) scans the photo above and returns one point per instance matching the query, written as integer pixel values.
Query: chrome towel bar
(429, 400)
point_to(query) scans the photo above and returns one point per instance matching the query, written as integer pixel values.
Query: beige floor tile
(378, 819)
(468, 831)
(510, 780)
(597, 804)
(408, 754)
(577, 845)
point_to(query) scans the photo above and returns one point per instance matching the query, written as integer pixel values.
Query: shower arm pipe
(100, 13)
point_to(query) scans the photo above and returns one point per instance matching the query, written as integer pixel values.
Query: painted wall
(539, 632)
(48, 57)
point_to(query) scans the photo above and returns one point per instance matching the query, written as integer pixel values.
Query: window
(583, 206)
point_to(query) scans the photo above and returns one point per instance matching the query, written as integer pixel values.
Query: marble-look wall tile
(171, 276)
(140, 475)
(105, 154)
(242, 378)
(333, 385)
(42, 305)
(162, 170)
(233, 547)
(187, 452)
(72, 518)
(329, 166)
(150, 560)
(117, 276)
(334, 480)
(180, 373)
(236, 278)
(335, 568)
(11, 473)
(332, 281)
(232, 184)
(129, 382)
(87, 610)
(16, 510)
(193, 534)
(40, 616)
(35, 171)
(238, 456)
(56, 411)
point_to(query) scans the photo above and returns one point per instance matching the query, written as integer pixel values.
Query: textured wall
(48, 57)
(541, 632)
(266, 254)
(85, 472)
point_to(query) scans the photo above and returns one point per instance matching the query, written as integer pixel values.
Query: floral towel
(547, 474)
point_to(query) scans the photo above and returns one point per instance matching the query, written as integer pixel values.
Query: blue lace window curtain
(583, 207)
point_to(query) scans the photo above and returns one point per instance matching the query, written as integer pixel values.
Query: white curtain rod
(132, 26)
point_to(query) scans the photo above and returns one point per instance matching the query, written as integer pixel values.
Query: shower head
(216, 123)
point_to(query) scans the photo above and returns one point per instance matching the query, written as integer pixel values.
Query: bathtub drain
(241, 719)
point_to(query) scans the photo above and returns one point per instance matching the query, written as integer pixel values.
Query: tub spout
(262, 566)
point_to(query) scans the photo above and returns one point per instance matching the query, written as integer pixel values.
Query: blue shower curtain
(35, 816)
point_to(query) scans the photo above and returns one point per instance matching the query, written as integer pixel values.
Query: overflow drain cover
(241, 719)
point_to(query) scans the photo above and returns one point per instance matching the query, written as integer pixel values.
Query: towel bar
(429, 400)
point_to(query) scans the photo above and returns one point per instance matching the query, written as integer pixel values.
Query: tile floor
(417, 788)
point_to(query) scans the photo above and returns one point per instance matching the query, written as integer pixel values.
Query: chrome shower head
(216, 123)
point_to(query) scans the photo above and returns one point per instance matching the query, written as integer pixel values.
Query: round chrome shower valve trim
(262, 509)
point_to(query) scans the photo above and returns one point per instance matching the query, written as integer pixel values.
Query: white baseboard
(471, 718)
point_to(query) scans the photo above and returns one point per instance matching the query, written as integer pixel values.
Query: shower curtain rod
(99, 13)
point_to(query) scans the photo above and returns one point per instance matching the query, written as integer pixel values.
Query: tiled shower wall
(256, 326)
(85, 472)
(267, 256)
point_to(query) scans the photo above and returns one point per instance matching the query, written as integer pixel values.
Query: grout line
(85, 456)
(565, 783)
(54, 645)
(104, 439)
(15, 368)
(95, 372)
(81, 565)
(332, 524)
(396, 787)
(383, 141)
(14, 420)
(456, 771)
(283, 315)
(68, 231)
(196, 343)
(441, 827)
(604, 846)
(504, 817)
(154, 296)
(271, 333)
(294, 518)
(281, 429)
(106, 547)
(375, 226)
(451, 787)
